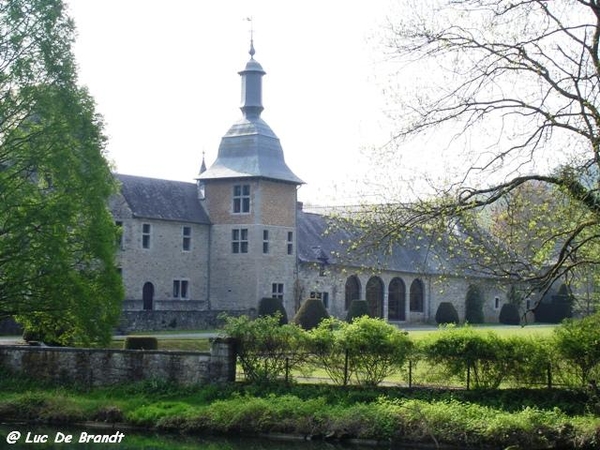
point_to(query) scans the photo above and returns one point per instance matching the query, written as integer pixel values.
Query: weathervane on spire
(252, 51)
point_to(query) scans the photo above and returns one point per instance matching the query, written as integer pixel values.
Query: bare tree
(520, 81)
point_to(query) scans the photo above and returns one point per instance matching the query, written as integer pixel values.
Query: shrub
(446, 313)
(375, 349)
(310, 314)
(474, 305)
(140, 343)
(269, 306)
(328, 351)
(578, 342)
(266, 350)
(509, 314)
(358, 308)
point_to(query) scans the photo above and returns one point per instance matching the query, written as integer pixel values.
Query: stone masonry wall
(102, 367)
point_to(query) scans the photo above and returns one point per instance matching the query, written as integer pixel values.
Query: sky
(164, 76)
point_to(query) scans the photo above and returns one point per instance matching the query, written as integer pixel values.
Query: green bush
(269, 306)
(474, 305)
(463, 350)
(509, 314)
(328, 352)
(266, 350)
(578, 342)
(140, 343)
(310, 314)
(446, 314)
(358, 308)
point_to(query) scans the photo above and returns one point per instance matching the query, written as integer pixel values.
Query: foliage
(509, 314)
(578, 342)
(368, 349)
(270, 306)
(463, 350)
(140, 343)
(474, 305)
(446, 314)
(310, 314)
(57, 237)
(358, 308)
(266, 350)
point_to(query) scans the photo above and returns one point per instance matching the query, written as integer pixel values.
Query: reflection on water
(27, 436)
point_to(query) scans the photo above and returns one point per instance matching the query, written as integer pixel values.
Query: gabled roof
(152, 198)
(321, 235)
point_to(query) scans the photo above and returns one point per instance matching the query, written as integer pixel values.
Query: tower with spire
(249, 193)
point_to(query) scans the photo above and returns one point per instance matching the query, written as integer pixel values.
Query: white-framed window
(146, 235)
(241, 199)
(181, 289)
(277, 290)
(186, 238)
(239, 240)
(119, 225)
(265, 241)
(290, 243)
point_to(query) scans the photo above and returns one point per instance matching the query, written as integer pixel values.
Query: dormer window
(241, 199)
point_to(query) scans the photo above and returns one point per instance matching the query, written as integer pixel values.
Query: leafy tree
(513, 84)
(57, 237)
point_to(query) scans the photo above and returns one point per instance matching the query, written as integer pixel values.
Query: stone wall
(171, 320)
(102, 367)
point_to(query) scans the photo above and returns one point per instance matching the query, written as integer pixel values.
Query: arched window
(416, 296)
(397, 300)
(352, 290)
(148, 296)
(375, 296)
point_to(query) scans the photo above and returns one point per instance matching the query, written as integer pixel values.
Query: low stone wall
(102, 367)
(171, 320)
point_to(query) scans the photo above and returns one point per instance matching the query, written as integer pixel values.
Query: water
(30, 437)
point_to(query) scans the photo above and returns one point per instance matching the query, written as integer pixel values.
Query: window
(265, 241)
(416, 296)
(146, 230)
(241, 198)
(323, 296)
(496, 302)
(239, 240)
(290, 243)
(180, 289)
(187, 239)
(352, 290)
(277, 290)
(119, 225)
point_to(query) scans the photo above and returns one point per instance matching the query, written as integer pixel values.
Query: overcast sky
(164, 76)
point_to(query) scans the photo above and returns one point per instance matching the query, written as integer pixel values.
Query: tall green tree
(513, 87)
(57, 237)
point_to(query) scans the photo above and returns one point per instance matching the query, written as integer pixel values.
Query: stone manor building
(189, 251)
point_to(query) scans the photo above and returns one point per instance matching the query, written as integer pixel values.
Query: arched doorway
(148, 296)
(416, 296)
(352, 290)
(375, 289)
(397, 300)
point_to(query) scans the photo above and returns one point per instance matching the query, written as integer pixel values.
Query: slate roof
(320, 235)
(153, 198)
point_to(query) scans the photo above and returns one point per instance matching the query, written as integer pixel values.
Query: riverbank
(495, 419)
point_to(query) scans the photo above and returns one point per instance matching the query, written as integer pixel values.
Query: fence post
(410, 373)
(549, 373)
(287, 369)
(346, 369)
(468, 375)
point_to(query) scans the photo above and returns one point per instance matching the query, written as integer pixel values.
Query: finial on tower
(252, 51)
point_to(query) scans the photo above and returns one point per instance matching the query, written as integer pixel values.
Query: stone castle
(191, 250)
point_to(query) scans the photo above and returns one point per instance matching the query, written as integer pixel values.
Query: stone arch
(397, 299)
(375, 288)
(148, 296)
(352, 290)
(417, 296)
